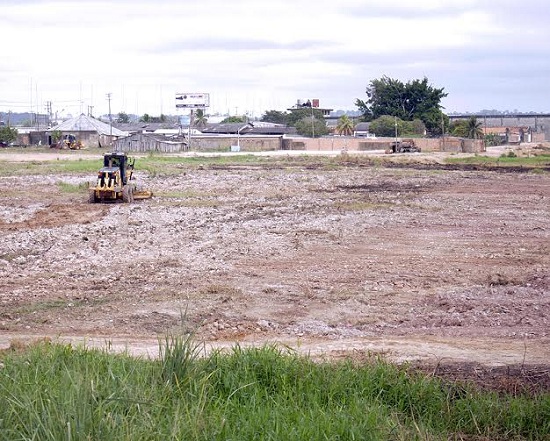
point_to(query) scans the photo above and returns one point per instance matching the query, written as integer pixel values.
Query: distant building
(312, 104)
(89, 131)
(361, 130)
(510, 135)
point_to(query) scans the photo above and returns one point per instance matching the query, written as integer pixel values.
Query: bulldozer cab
(122, 162)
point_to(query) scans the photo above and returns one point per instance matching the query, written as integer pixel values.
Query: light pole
(110, 118)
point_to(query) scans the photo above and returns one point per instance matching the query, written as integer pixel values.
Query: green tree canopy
(56, 135)
(275, 117)
(467, 128)
(235, 119)
(386, 126)
(199, 119)
(8, 134)
(153, 119)
(123, 118)
(311, 126)
(345, 126)
(416, 99)
(306, 112)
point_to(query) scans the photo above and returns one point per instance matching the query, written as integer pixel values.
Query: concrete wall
(339, 143)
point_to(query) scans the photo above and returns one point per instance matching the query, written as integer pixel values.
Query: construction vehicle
(69, 142)
(115, 181)
(404, 146)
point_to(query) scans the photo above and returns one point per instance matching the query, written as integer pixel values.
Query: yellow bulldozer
(69, 142)
(115, 181)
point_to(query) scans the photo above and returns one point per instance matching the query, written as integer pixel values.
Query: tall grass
(56, 392)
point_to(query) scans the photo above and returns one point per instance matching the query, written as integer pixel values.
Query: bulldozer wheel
(91, 197)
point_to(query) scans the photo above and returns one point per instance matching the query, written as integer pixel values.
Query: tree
(474, 128)
(386, 125)
(8, 134)
(235, 119)
(345, 126)
(415, 99)
(56, 136)
(312, 127)
(200, 119)
(414, 127)
(123, 118)
(467, 128)
(275, 117)
(153, 119)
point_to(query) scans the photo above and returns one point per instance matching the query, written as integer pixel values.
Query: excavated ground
(443, 268)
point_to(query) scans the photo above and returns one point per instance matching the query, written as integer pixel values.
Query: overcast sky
(254, 55)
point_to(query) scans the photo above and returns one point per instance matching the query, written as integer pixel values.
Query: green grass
(69, 166)
(505, 160)
(66, 187)
(154, 164)
(56, 392)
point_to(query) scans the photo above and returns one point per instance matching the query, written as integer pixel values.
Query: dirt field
(430, 266)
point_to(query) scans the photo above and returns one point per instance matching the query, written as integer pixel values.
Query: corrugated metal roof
(84, 123)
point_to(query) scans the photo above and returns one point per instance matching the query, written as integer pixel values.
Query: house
(310, 104)
(362, 130)
(89, 131)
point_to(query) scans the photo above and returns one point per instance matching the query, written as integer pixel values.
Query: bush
(7, 135)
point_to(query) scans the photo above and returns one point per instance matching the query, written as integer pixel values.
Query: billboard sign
(192, 100)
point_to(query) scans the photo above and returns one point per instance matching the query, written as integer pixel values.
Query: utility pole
(442, 133)
(110, 117)
(49, 111)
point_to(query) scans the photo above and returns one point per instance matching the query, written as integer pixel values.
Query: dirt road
(430, 265)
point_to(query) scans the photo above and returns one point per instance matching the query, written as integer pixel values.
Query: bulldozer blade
(143, 194)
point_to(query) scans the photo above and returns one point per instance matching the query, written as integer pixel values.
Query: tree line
(392, 107)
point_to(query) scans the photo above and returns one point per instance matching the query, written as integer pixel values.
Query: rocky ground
(426, 265)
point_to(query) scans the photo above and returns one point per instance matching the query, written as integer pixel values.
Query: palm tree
(200, 119)
(474, 128)
(345, 126)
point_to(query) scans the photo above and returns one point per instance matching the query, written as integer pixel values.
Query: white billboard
(192, 100)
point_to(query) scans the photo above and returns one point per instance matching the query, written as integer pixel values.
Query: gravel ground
(423, 265)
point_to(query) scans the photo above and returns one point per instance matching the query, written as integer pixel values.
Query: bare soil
(446, 269)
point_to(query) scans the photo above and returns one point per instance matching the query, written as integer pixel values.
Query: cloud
(250, 54)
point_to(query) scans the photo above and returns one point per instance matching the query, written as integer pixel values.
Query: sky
(252, 56)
